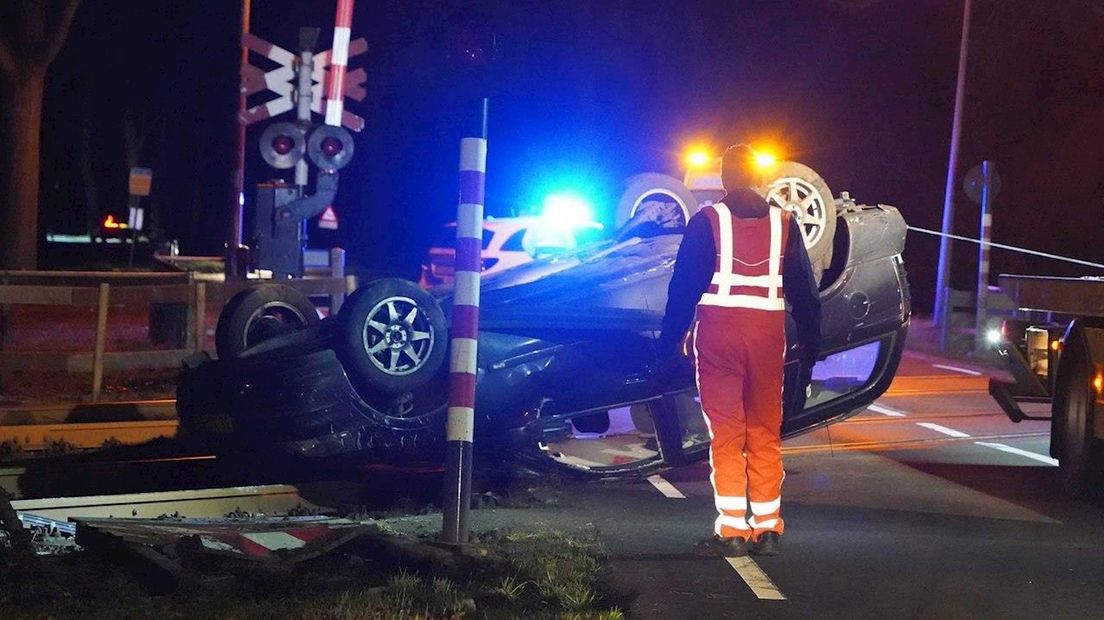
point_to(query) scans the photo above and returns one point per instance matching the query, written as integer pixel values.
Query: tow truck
(1059, 360)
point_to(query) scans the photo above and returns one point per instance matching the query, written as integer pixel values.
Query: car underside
(566, 368)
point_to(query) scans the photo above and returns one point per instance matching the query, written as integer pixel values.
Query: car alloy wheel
(398, 336)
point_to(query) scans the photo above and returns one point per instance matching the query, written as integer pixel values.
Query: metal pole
(943, 280)
(465, 334)
(983, 254)
(237, 182)
(308, 38)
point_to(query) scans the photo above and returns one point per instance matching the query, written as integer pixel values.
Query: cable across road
(1010, 248)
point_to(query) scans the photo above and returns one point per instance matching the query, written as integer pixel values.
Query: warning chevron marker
(328, 219)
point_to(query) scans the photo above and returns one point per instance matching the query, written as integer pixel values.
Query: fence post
(200, 315)
(101, 338)
(337, 270)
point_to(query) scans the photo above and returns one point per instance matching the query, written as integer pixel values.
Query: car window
(515, 242)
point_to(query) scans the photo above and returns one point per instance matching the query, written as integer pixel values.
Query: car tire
(1080, 455)
(799, 189)
(640, 187)
(258, 314)
(392, 336)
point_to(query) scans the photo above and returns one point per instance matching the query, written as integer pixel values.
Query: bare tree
(34, 35)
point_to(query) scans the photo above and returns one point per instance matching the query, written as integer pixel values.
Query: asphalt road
(931, 504)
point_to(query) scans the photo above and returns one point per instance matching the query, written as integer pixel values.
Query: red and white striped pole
(983, 253)
(465, 335)
(339, 59)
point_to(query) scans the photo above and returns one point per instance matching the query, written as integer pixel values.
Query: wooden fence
(103, 290)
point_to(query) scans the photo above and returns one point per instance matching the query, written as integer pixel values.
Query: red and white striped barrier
(983, 251)
(339, 59)
(465, 308)
(465, 333)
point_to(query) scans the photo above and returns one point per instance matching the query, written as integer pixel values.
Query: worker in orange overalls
(739, 264)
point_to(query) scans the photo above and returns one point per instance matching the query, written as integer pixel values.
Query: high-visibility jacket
(748, 271)
(739, 351)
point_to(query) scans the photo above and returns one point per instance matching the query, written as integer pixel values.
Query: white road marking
(666, 488)
(1011, 450)
(756, 579)
(942, 429)
(965, 371)
(882, 409)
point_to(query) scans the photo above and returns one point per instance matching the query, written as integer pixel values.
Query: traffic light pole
(465, 334)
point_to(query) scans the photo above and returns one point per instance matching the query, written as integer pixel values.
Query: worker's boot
(768, 543)
(718, 546)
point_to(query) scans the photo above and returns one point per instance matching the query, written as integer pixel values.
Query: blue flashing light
(567, 210)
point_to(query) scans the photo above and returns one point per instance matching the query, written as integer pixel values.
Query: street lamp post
(943, 280)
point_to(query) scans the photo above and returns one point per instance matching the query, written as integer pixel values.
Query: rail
(103, 290)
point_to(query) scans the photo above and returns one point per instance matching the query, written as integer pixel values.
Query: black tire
(406, 363)
(653, 185)
(258, 314)
(1080, 455)
(791, 181)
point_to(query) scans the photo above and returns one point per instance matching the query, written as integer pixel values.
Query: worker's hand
(808, 360)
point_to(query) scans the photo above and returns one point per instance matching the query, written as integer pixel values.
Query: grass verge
(504, 574)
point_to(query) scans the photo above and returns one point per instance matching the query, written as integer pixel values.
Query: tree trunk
(21, 130)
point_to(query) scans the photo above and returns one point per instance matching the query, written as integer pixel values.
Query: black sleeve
(694, 267)
(800, 288)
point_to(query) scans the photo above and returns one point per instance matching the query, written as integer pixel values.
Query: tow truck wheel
(1080, 455)
(258, 314)
(798, 189)
(656, 188)
(392, 336)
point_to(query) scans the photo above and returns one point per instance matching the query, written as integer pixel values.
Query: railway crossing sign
(281, 81)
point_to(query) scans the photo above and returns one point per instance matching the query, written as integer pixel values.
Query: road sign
(974, 180)
(141, 180)
(282, 79)
(328, 219)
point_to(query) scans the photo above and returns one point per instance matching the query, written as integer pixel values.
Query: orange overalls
(740, 347)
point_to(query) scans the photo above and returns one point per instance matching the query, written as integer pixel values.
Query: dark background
(585, 94)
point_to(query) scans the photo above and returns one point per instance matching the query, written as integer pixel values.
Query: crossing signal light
(329, 147)
(282, 145)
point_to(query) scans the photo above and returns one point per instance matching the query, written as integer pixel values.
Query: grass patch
(510, 575)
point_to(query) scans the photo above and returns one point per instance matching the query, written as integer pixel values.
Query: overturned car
(566, 353)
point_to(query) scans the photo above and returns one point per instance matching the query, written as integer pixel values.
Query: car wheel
(1080, 454)
(655, 187)
(798, 189)
(258, 314)
(392, 335)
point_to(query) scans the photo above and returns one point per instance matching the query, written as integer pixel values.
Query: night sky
(584, 94)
